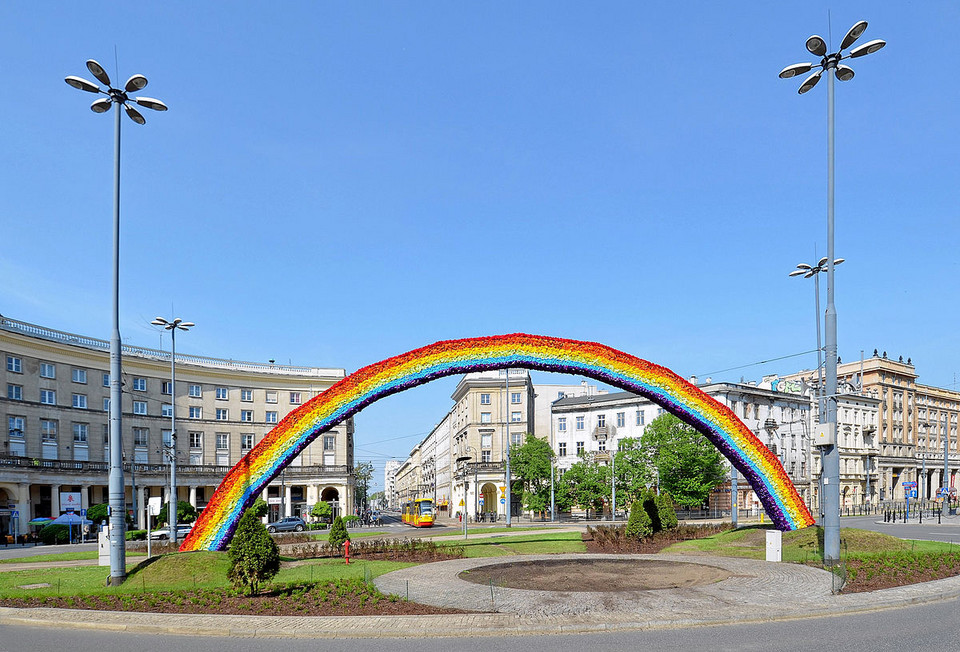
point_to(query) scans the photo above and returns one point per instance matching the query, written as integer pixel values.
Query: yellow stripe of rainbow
(241, 486)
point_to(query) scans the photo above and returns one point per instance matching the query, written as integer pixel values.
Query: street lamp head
(837, 261)
(134, 114)
(803, 266)
(159, 321)
(82, 84)
(853, 34)
(810, 82)
(816, 45)
(795, 69)
(867, 48)
(187, 324)
(101, 106)
(151, 103)
(844, 73)
(135, 83)
(823, 261)
(97, 71)
(798, 272)
(810, 273)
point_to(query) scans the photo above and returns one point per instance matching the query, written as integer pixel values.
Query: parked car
(287, 524)
(164, 533)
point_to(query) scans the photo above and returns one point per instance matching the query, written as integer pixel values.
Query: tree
(338, 533)
(98, 513)
(259, 508)
(588, 484)
(638, 525)
(362, 474)
(531, 463)
(186, 513)
(322, 511)
(634, 471)
(254, 556)
(688, 465)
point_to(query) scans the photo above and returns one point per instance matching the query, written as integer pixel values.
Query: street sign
(461, 503)
(910, 485)
(481, 501)
(83, 512)
(912, 493)
(503, 501)
(15, 513)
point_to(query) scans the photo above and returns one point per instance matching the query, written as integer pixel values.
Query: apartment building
(55, 401)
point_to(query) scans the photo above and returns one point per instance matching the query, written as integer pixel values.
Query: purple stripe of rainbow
(247, 480)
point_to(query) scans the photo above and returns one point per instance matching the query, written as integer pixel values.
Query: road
(932, 626)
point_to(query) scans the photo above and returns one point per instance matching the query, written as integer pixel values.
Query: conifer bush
(651, 506)
(638, 525)
(254, 556)
(338, 534)
(666, 511)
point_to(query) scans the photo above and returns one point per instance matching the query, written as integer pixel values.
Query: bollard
(346, 550)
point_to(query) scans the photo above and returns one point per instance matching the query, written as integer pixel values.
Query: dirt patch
(596, 575)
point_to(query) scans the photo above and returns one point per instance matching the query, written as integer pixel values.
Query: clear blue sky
(337, 183)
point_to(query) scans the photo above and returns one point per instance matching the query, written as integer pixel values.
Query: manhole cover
(595, 575)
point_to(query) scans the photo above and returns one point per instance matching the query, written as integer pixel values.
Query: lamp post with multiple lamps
(814, 271)
(463, 459)
(120, 98)
(173, 327)
(830, 63)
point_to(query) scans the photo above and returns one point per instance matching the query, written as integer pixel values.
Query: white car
(164, 533)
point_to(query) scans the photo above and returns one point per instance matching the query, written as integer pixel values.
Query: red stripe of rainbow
(251, 475)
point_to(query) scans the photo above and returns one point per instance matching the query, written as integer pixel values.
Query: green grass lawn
(64, 556)
(801, 545)
(530, 544)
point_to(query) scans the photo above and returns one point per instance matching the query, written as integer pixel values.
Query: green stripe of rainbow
(250, 476)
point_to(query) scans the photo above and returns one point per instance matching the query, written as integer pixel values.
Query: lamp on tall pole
(506, 432)
(830, 63)
(115, 96)
(173, 327)
(814, 271)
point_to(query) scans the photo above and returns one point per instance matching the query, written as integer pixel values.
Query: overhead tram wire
(756, 364)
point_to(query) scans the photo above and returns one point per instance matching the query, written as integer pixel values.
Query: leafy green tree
(338, 534)
(638, 525)
(362, 475)
(98, 513)
(531, 463)
(634, 471)
(254, 556)
(55, 533)
(186, 513)
(689, 466)
(259, 508)
(322, 511)
(588, 484)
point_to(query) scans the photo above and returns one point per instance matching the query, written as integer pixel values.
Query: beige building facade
(55, 402)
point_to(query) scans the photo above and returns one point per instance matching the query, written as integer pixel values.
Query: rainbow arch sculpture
(242, 485)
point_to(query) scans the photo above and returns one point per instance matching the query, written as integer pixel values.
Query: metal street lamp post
(830, 63)
(506, 431)
(173, 327)
(115, 96)
(814, 271)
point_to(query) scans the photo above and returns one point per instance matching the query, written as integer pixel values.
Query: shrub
(666, 511)
(136, 535)
(338, 533)
(254, 556)
(186, 513)
(259, 508)
(316, 526)
(350, 520)
(638, 525)
(322, 510)
(649, 500)
(55, 533)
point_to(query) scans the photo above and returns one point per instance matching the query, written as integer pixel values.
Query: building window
(516, 439)
(515, 417)
(246, 395)
(223, 393)
(485, 417)
(48, 397)
(80, 401)
(165, 387)
(246, 441)
(485, 456)
(484, 399)
(579, 423)
(223, 414)
(295, 398)
(141, 437)
(48, 430)
(196, 440)
(486, 441)
(106, 380)
(562, 449)
(196, 412)
(562, 424)
(166, 410)
(196, 459)
(80, 433)
(139, 384)
(80, 376)
(271, 417)
(579, 447)
(271, 397)
(515, 398)
(602, 445)
(639, 417)
(48, 370)
(14, 364)
(140, 407)
(246, 415)
(15, 392)
(106, 404)
(223, 441)
(16, 426)
(601, 420)
(166, 437)
(329, 442)
(196, 391)
(621, 419)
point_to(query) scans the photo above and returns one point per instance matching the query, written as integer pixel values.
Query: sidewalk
(756, 591)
